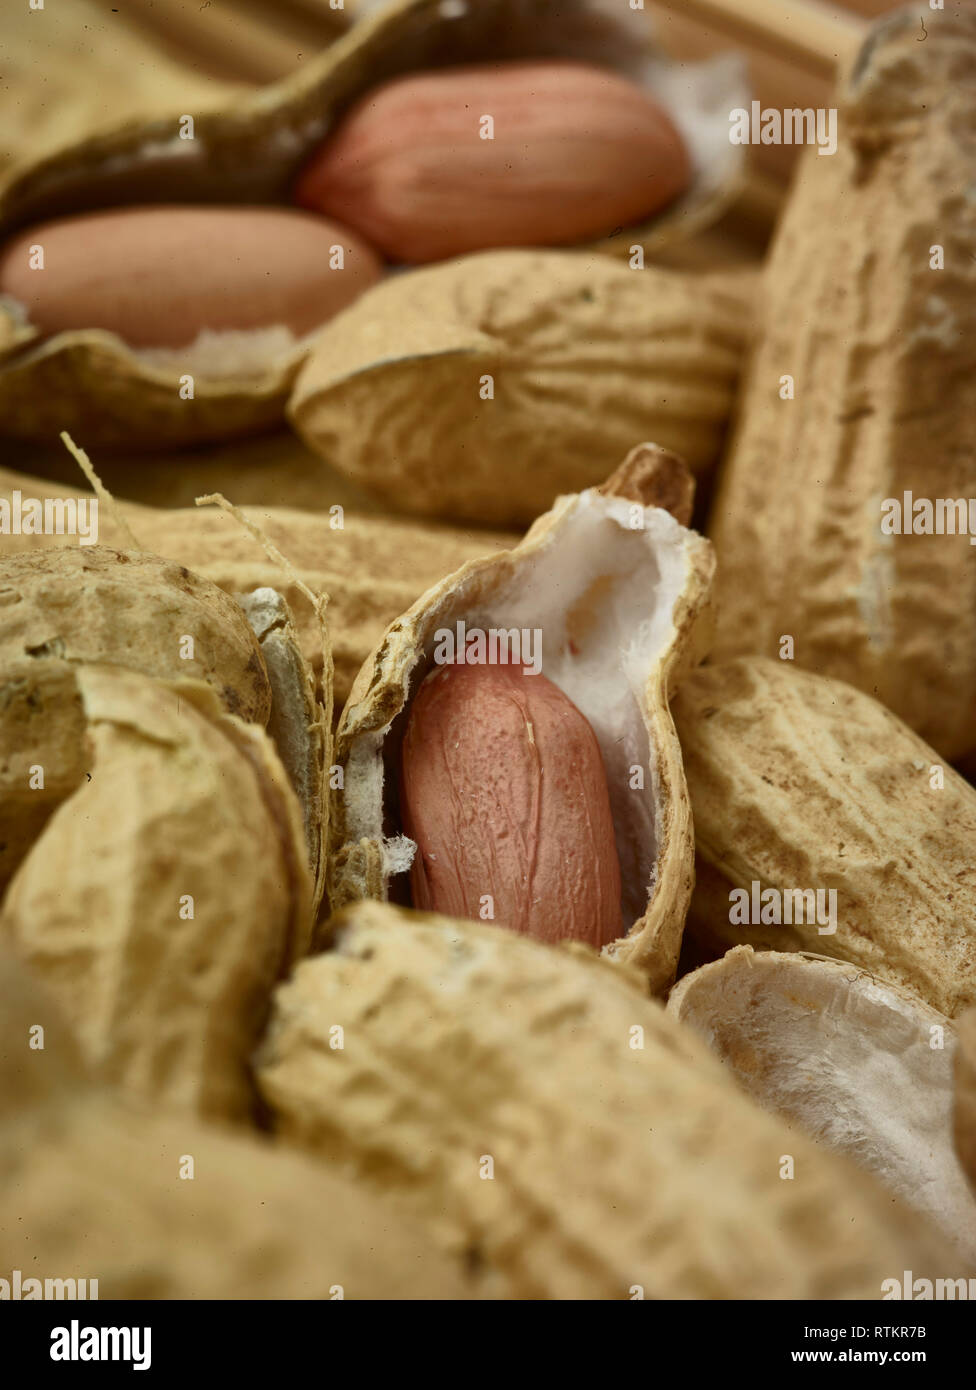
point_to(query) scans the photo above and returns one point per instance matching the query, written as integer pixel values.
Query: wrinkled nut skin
(576, 151)
(504, 791)
(158, 276)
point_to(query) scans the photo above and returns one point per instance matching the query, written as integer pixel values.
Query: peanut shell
(129, 608)
(586, 356)
(801, 782)
(95, 1187)
(620, 594)
(300, 722)
(881, 348)
(168, 892)
(861, 1066)
(536, 1111)
(372, 568)
(250, 148)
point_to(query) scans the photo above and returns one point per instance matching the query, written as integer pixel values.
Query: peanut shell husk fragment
(619, 594)
(861, 1066)
(165, 896)
(300, 722)
(964, 1113)
(798, 782)
(870, 311)
(371, 567)
(582, 357)
(153, 1204)
(537, 1111)
(250, 149)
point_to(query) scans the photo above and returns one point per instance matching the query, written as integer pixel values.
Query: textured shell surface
(582, 356)
(863, 1067)
(827, 520)
(166, 894)
(372, 568)
(617, 1164)
(802, 783)
(94, 1182)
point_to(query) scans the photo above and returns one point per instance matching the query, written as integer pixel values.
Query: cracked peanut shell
(619, 592)
(250, 149)
(861, 1066)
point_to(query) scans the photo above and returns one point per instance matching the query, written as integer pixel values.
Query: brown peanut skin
(503, 790)
(576, 151)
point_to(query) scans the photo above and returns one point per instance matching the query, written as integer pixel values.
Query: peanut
(159, 276)
(575, 152)
(504, 791)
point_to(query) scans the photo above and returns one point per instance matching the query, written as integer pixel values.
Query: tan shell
(586, 357)
(624, 1159)
(92, 1187)
(881, 349)
(863, 1067)
(372, 568)
(964, 1112)
(300, 722)
(622, 612)
(129, 608)
(182, 801)
(799, 782)
(250, 149)
(42, 726)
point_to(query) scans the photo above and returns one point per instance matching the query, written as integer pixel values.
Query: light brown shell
(863, 1067)
(622, 612)
(250, 149)
(800, 782)
(180, 800)
(372, 568)
(964, 1112)
(93, 1187)
(129, 608)
(625, 1161)
(300, 722)
(586, 357)
(882, 349)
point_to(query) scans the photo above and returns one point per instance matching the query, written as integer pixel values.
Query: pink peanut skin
(576, 152)
(503, 790)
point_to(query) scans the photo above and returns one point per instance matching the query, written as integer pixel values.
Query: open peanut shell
(620, 591)
(862, 1066)
(250, 150)
(964, 1113)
